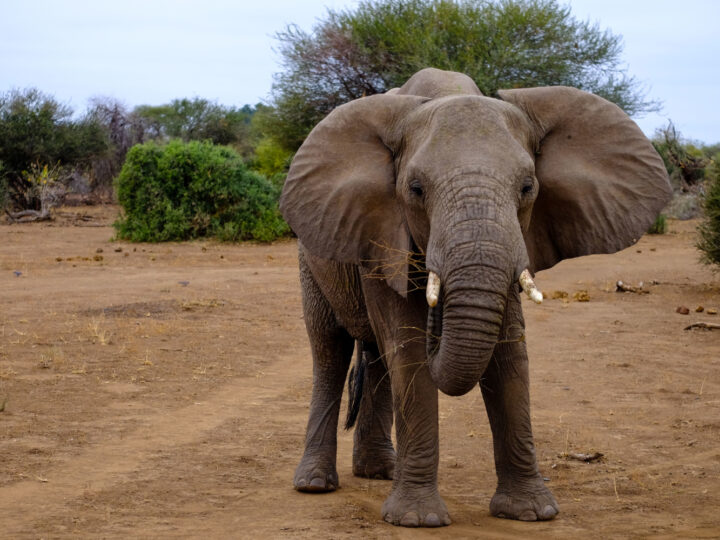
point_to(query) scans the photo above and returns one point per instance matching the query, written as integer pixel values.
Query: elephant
(416, 212)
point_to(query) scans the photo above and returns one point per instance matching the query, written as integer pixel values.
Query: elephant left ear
(602, 184)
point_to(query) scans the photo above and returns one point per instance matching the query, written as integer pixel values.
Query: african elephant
(434, 182)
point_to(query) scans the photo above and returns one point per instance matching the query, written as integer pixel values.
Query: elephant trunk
(474, 278)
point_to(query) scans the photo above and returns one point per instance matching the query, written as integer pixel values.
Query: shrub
(660, 225)
(35, 128)
(271, 158)
(190, 190)
(709, 229)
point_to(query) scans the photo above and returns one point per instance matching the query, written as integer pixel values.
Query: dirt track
(162, 390)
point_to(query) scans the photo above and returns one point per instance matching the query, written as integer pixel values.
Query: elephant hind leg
(332, 349)
(373, 452)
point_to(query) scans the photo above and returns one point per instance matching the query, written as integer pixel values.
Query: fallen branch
(26, 216)
(704, 326)
(624, 287)
(587, 458)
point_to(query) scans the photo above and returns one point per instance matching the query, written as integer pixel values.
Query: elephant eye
(416, 188)
(528, 186)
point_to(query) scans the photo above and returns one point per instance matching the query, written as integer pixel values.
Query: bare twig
(704, 326)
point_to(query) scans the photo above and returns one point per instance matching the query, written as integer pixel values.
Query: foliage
(198, 120)
(709, 229)
(35, 128)
(659, 226)
(189, 190)
(684, 162)
(271, 158)
(501, 44)
(4, 189)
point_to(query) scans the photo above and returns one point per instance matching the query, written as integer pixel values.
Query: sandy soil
(162, 391)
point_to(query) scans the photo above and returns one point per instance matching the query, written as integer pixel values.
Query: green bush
(709, 229)
(189, 190)
(660, 225)
(271, 158)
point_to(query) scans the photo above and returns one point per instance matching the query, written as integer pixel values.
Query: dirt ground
(162, 391)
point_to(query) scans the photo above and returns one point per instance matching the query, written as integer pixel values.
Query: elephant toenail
(411, 519)
(528, 515)
(317, 482)
(432, 520)
(548, 512)
(300, 484)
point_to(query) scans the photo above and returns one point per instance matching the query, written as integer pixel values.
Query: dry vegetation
(162, 390)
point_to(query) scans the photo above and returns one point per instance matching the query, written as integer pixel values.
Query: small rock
(98, 258)
(99, 250)
(682, 310)
(58, 259)
(699, 309)
(118, 249)
(712, 311)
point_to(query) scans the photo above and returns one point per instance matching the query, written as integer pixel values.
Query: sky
(153, 51)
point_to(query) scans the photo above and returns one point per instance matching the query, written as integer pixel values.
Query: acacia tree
(381, 43)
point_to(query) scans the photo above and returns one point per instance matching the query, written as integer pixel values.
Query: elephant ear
(602, 184)
(339, 195)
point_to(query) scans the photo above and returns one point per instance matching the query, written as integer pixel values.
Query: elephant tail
(355, 386)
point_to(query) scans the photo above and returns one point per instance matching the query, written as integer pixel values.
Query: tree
(37, 130)
(501, 44)
(123, 129)
(198, 120)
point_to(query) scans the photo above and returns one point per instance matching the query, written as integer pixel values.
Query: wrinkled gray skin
(435, 176)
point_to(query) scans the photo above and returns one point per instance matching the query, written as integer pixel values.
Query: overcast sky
(152, 51)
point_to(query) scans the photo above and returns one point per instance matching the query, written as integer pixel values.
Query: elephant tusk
(528, 285)
(433, 289)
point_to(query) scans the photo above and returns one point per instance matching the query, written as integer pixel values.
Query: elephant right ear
(339, 195)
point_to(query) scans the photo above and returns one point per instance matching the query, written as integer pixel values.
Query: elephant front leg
(398, 325)
(373, 452)
(521, 493)
(415, 500)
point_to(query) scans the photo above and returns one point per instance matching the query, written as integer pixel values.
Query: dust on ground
(161, 390)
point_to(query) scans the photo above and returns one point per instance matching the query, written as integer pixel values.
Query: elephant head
(482, 187)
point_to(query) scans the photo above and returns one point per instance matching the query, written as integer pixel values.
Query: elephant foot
(525, 502)
(415, 511)
(315, 475)
(378, 463)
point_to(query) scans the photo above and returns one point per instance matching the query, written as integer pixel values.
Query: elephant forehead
(471, 117)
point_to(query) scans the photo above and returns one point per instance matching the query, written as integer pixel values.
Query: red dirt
(162, 390)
